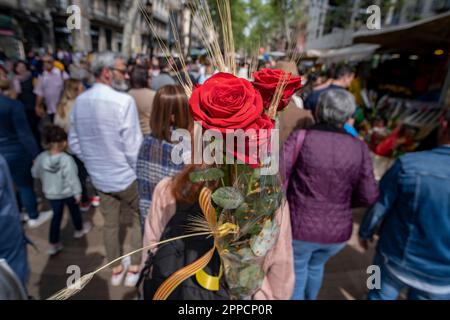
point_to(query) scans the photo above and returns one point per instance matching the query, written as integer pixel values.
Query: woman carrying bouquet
(254, 257)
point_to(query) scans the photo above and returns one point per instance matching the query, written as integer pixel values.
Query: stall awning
(416, 37)
(354, 53)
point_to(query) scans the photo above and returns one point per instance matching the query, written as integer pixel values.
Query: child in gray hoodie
(59, 176)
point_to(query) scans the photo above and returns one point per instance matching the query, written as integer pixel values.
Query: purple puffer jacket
(333, 173)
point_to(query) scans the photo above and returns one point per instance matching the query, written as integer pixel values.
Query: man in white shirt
(49, 87)
(105, 134)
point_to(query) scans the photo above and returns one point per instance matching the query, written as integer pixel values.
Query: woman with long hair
(72, 89)
(170, 111)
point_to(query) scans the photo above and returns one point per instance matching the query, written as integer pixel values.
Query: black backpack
(175, 255)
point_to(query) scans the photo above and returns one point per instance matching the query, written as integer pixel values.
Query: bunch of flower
(248, 198)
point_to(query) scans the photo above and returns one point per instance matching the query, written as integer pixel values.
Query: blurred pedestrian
(163, 78)
(49, 88)
(244, 70)
(342, 79)
(185, 74)
(413, 214)
(327, 174)
(140, 91)
(72, 89)
(19, 148)
(80, 70)
(170, 112)
(7, 89)
(105, 134)
(208, 72)
(24, 78)
(60, 184)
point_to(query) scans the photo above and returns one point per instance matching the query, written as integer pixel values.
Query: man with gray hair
(413, 218)
(105, 134)
(117, 65)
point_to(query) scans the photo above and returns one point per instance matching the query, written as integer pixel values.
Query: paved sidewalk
(345, 275)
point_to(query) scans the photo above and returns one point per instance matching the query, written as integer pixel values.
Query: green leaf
(251, 276)
(254, 229)
(211, 174)
(242, 211)
(268, 204)
(228, 198)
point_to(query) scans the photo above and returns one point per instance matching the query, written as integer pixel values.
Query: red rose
(227, 103)
(266, 82)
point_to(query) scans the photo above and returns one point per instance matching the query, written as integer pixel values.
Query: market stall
(407, 84)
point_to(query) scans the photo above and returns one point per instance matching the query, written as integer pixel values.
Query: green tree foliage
(239, 14)
(256, 22)
(274, 18)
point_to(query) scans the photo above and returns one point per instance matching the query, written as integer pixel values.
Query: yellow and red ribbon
(196, 268)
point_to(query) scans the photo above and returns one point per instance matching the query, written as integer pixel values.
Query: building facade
(43, 24)
(332, 23)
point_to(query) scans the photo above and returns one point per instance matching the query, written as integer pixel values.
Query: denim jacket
(414, 213)
(12, 237)
(16, 139)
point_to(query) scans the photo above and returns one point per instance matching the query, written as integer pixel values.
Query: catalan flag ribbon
(196, 268)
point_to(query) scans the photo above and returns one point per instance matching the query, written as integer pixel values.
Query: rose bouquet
(248, 197)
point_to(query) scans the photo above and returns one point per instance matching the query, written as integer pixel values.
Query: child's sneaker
(131, 279)
(54, 249)
(87, 226)
(43, 218)
(117, 278)
(95, 201)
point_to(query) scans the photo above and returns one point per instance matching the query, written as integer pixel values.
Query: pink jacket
(279, 264)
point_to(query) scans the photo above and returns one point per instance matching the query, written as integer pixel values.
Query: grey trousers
(112, 205)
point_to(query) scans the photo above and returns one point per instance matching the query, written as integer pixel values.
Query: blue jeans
(28, 199)
(58, 211)
(309, 261)
(20, 168)
(391, 286)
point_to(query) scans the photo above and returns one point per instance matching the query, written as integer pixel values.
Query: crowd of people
(107, 121)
